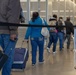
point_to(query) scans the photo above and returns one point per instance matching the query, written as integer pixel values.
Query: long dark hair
(34, 16)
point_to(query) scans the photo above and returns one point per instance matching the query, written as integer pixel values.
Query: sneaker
(48, 50)
(33, 64)
(68, 48)
(41, 62)
(61, 49)
(54, 52)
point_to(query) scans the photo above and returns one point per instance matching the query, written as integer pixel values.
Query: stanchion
(75, 48)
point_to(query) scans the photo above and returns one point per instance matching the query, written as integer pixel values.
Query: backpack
(59, 27)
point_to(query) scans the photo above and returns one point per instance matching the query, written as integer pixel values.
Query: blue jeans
(8, 48)
(52, 39)
(40, 43)
(61, 39)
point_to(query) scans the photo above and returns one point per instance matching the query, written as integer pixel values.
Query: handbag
(44, 31)
(3, 59)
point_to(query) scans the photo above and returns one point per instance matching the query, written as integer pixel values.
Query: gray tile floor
(62, 63)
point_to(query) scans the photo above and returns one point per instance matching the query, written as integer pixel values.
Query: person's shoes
(68, 48)
(41, 62)
(63, 47)
(61, 50)
(48, 50)
(33, 64)
(54, 52)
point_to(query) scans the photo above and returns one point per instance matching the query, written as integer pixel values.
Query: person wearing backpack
(60, 33)
(53, 34)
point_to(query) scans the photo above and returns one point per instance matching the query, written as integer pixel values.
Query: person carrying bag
(44, 31)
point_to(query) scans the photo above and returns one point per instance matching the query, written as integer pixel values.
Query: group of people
(59, 32)
(55, 33)
(10, 12)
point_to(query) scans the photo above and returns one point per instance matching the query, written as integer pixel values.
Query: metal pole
(58, 7)
(65, 10)
(50, 11)
(28, 10)
(75, 48)
(47, 11)
(70, 7)
(74, 12)
(39, 6)
(74, 42)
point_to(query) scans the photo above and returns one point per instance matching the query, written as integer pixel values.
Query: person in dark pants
(69, 30)
(9, 12)
(53, 35)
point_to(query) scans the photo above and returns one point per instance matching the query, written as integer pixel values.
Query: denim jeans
(40, 43)
(8, 48)
(52, 39)
(61, 39)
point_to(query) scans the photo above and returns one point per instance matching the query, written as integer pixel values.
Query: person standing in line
(60, 30)
(69, 30)
(53, 34)
(37, 39)
(9, 13)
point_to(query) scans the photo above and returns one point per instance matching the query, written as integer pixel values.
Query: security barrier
(27, 25)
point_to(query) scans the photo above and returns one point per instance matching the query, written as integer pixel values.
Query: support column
(28, 10)
(50, 9)
(58, 8)
(39, 6)
(47, 11)
(74, 12)
(65, 10)
(75, 48)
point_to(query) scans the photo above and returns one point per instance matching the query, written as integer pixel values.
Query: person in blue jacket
(37, 40)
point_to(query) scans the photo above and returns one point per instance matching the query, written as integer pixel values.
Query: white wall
(62, 8)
